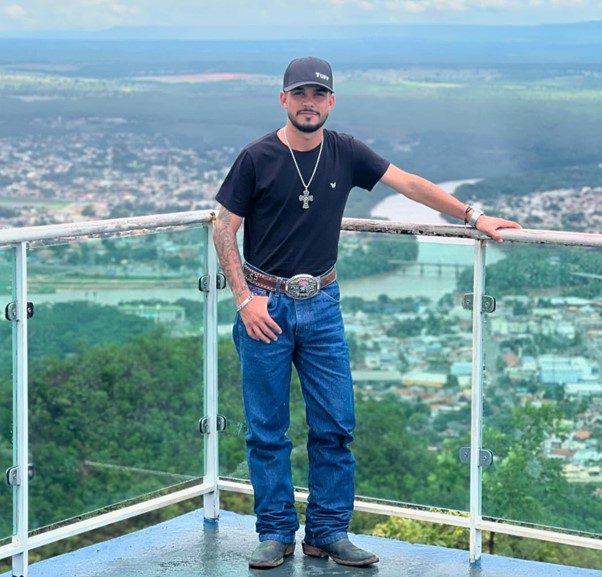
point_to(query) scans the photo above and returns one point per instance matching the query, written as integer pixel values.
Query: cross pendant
(306, 198)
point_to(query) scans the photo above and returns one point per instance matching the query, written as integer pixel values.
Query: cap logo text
(322, 76)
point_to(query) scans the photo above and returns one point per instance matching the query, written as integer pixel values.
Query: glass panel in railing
(543, 388)
(232, 452)
(116, 371)
(411, 346)
(6, 391)
(232, 458)
(410, 352)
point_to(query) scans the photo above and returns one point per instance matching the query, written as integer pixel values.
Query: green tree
(391, 462)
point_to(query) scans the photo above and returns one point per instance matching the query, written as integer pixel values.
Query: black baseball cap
(308, 70)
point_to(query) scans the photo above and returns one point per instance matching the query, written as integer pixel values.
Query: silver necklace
(305, 198)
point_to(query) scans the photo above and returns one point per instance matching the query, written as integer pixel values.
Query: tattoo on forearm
(229, 255)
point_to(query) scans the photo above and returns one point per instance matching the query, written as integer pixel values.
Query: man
(290, 188)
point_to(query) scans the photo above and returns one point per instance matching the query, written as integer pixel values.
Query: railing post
(211, 500)
(476, 424)
(20, 412)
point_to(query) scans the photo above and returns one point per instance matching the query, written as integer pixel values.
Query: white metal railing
(20, 239)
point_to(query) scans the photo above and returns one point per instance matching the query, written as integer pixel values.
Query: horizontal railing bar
(410, 513)
(529, 236)
(73, 529)
(398, 227)
(439, 518)
(541, 534)
(11, 549)
(11, 236)
(557, 537)
(91, 523)
(97, 465)
(364, 506)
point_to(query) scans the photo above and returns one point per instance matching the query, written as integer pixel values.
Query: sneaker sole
(312, 551)
(271, 564)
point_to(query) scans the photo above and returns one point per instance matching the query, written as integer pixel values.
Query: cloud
(99, 14)
(363, 4)
(407, 5)
(416, 6)
(498, 4)
(449, 4)
(114, 7)
(15, 11)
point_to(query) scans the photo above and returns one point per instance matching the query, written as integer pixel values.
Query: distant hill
(570, 33)
(258, 50)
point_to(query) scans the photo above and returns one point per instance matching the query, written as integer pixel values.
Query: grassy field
(443, 122)
(19, 202)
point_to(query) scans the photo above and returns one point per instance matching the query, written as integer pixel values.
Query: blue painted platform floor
(188, 547)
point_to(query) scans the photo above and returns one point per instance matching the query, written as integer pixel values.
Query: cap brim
(304, 83)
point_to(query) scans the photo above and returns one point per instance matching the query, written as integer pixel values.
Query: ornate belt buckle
(302, 286)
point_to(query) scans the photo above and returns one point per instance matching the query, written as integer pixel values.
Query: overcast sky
(29, 15)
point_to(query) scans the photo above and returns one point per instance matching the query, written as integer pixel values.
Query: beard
(307, 128)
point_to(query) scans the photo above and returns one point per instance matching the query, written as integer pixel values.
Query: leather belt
(300, 286)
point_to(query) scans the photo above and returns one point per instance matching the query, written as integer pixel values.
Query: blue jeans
(313, 340)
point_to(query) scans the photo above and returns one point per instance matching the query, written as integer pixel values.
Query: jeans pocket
(332, 292)
(260, 292)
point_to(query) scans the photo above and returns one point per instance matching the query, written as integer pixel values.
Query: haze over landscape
(27, 15)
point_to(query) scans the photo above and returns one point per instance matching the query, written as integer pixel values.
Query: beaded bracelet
(468, 209)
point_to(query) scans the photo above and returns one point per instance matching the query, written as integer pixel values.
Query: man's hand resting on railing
(425, 192)
(492, 225)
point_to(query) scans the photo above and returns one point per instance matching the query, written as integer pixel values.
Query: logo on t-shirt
(333, 185)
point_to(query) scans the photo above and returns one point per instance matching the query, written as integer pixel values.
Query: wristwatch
(476, 213)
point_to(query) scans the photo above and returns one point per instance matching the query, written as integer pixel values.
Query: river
(400, 208)
(439, 259)
(433, 275)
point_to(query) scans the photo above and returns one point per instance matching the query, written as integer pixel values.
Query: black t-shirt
(263, 186)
